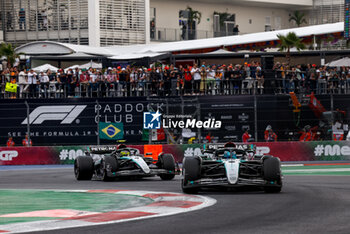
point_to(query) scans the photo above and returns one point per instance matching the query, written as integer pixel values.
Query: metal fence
(175, 87)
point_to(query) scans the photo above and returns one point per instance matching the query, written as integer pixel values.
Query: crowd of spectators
(167, 80)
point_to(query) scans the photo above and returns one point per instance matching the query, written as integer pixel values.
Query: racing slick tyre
(167, 162)
(111, 163)
(191, 171)
(83, 168)
(272, 173)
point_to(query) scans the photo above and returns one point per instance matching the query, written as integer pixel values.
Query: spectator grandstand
(167, 80)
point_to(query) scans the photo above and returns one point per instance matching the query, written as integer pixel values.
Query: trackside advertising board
(286, 151)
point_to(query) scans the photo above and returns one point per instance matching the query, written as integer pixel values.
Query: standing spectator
(62, 81)
(93, 83)
(23, 83)
(26, 141)
(235, 30)
(246, 136)
(203, 83)
(313, 78)
(167, 81)
(321, 81)
(208, 137)
(228, 78)
(32, 81)
(110, 78)
(134, 80)
(218, 81)
(153, 29)
(270, 136)
(173, 79)
(155, 79)
(188, 80)
(180, 79)
(84, 80)
(196, 78)
(260, 79)
(44, 83)
(211, 80)
(122, 82)
(237, 80)
(161, 81)
(71, 82)
(10, 142)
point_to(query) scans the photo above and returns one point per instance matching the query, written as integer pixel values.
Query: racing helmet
(121, 146)
(230, 145)
(227, 154)
(124, 153)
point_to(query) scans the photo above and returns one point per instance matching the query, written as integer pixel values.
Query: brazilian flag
(111, 131)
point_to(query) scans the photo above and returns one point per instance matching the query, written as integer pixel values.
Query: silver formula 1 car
(231, 166)
(107, 163)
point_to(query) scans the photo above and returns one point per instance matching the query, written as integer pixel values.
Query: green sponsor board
(68, 154)
(330, 150)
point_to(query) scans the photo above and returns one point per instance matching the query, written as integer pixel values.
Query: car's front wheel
(167, 162)
(83, 168)
(272, 174)
(191, 171)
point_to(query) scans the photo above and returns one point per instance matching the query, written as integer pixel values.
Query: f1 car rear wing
(240, 146)
(101, 149)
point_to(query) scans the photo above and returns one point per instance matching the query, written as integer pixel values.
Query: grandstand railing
(176, 88)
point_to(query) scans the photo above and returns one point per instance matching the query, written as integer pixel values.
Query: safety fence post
(28, 122)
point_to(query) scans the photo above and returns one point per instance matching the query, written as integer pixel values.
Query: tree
(193, 18)
(9, 52)
(291, 40)
(298, 17)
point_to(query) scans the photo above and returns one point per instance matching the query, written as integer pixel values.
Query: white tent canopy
(45, 67)
(72, 67)
(339, 63)
(91, 64)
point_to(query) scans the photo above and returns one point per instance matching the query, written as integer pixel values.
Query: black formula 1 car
(231, 166)
(107, 163)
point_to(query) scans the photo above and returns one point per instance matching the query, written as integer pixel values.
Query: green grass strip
(18, 201)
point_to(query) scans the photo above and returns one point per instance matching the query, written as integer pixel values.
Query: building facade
(218, 18)
(124, 22)
(327, 11)
(85, 22)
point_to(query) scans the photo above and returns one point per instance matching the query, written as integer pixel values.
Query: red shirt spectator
(10, 142)
(245, 137)
(84, 77)
(270, 136)
(208, 137)
(26, 141)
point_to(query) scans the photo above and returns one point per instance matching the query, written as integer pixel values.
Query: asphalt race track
(307, 204)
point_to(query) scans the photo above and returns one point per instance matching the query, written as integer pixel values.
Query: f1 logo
(7, 155)
(151, 120)
(65, 113)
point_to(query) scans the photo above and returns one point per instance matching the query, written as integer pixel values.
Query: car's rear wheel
(191, 171)
(272, 174)
(167, 162)
(109, 163)
(83, 168)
